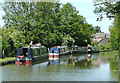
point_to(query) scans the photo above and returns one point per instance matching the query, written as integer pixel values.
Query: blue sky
(85, 8)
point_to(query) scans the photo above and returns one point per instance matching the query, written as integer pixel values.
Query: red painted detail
(55, 56)
(28, 61)
(17, 61)
(50, 56)
(21, 56)
(20, 63)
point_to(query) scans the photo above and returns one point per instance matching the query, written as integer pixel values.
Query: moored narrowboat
(55, 52)
(23, 56)
(54, 55)
(27, 55)
(74, 49)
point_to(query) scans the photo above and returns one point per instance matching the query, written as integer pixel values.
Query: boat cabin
(59, 50)
(23, 52)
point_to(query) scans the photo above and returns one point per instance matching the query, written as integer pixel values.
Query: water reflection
(88, 67)
(80, 60)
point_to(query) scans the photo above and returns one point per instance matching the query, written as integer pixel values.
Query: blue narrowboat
(55, 52)
(23, 56)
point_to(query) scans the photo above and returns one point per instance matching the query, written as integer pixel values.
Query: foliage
(7, 59)
(104, 47)
(75, 25)
(108, 8)
(94, 44)
(48, 23)
(112, 10)
(11, 40)
(0, 43)
(67, 39)
(114, 36)
(97, 29)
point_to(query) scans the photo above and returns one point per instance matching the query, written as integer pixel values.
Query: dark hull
(35, 59)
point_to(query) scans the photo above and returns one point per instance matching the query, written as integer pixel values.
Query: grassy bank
(6, 59)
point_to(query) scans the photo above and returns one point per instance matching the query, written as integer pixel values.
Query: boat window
(25, 50)
(29, 54)
(19, 51)
(54, 50)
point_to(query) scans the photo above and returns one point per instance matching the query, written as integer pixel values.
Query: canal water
(96, 68)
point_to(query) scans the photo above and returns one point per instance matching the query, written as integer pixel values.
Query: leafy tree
(97, 29)
(112, 10)
(48, 23)
(75, 25)
(37, 20)
(108, 8)
(11, 40)
(0, 43)
(114, 34)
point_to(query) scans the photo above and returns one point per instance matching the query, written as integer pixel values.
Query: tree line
(48, 23)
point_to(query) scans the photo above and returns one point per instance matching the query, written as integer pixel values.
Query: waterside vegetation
(48, 23)
(54, 23)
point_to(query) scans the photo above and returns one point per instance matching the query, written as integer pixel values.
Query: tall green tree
(47, 22)
(97, 29)
(11, 40)
(114, 34)
(112, 10)
(38, 21)
(75, 25)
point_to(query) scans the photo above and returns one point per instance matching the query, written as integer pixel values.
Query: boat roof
(59, 47)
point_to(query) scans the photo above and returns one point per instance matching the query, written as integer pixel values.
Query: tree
(112, 10)
(12, 39)
(37, 21)
(97, 29)
(48, 23)
(108, 8)
(114, 34)
(0, 43)
(75, 25)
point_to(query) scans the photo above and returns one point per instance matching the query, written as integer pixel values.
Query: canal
(97, 68)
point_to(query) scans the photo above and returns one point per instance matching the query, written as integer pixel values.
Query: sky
(85, 8)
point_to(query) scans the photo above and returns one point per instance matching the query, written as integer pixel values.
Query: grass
(7, 59)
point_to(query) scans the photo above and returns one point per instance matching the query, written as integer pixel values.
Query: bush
(104, 47)
(94, 44)
(12, 39)
(7, 59)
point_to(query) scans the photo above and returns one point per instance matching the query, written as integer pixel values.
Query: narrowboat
(27, 55)
(74, 49)
(93, 49)
(23, 56)
(55, 52)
